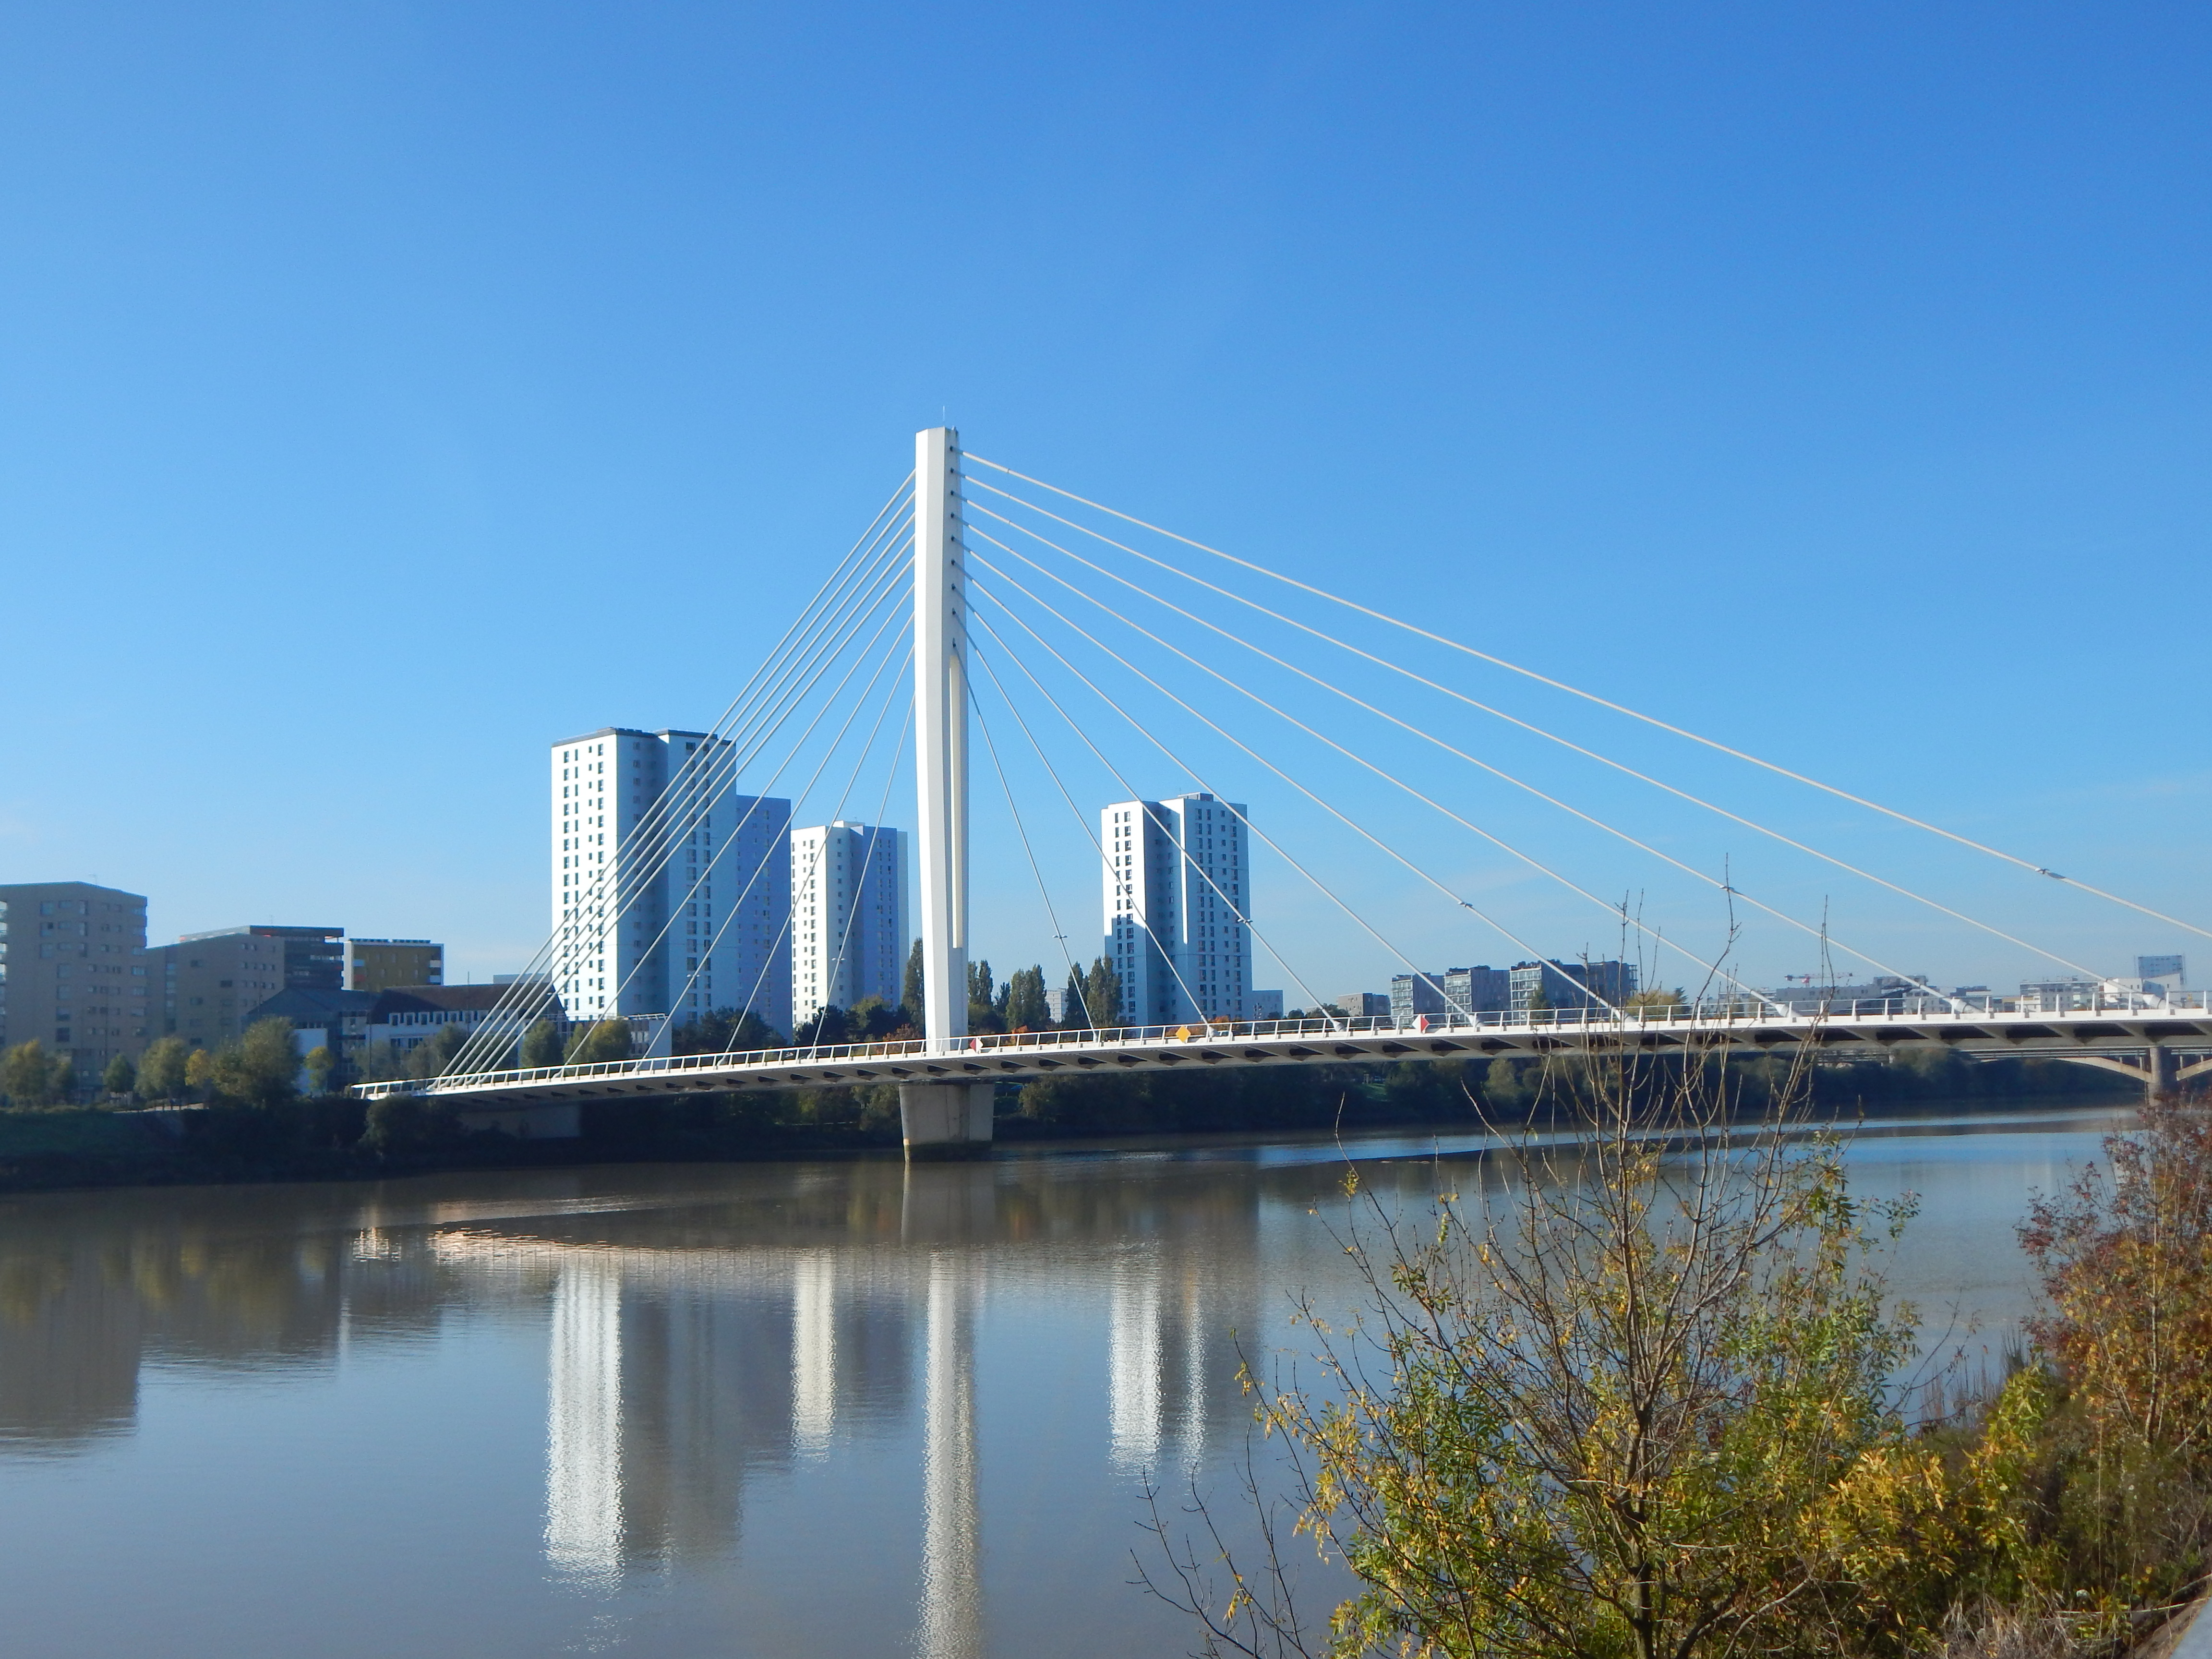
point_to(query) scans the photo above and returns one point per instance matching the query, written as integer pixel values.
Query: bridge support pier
(2161, 1073)
(946, 1120)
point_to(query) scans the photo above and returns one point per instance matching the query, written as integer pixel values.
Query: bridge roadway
(2164, 1045)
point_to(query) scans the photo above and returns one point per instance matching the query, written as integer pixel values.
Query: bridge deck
(2111, 1035)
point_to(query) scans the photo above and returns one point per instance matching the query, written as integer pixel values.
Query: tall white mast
(940, 708)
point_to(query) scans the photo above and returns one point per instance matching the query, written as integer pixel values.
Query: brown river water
(718, 1409)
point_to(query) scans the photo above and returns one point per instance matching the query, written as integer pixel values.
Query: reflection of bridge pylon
(952, 1563)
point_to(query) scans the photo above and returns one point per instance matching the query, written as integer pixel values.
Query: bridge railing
(1706, 1015)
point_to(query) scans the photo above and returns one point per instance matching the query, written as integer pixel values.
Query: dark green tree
(162, 1069)
(376, 1062)
(429, 1058)
(910, 990)
(832, 1025)
(1101, 994)
(872, 1021)
(26, 1074)
(261, 1069)
(602, 1044)
(986, 1007)
(725, 1032)
(120, 1076)
(541, 1045)
(1026, 1008)
(1073, 1015)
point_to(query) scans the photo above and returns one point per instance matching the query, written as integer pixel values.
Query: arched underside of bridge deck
(2164, 1053)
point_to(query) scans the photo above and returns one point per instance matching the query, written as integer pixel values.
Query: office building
(1565, 986)
(73, 971)
(1364, 1005)
(404, 1017)
(1885, 993)
(1266, 1005)
(1416, 996)
(849, 915)
(378, 964)
(1177, 911)
(1465, 991)
(2162, 976)
(335, 1020)
(207, 983)
(1480, 990)
(671, 892)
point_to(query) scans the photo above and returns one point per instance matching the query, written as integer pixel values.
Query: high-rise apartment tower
(705, 929)
(849, 915)
(73, 971)
(1178, 908)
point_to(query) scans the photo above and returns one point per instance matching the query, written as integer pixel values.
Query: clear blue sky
(386, 390)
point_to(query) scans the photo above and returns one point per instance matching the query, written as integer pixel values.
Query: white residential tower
(707, 930)
(1178, 908)
(849, 915)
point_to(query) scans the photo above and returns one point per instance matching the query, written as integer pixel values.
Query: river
(771, 1409)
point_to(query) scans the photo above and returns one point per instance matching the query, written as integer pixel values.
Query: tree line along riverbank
(244, 1117)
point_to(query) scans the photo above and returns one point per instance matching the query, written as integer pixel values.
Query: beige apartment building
(385, 964)
(74, 971)
(206, 983)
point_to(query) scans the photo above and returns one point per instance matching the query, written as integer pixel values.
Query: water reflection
(583, 1419)
(951, 1624)
(948, 1372)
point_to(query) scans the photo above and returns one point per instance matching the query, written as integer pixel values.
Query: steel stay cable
(688, 798)
(590, 913)
(714, 941)
(828, 703)
(1712, 968)
(1273, 845)
(791, 695)
(783, 930)
(1360, 702)
(1081, 822)
(1167, 957)
(875, 825)
(733, 763)
(1511, 720)
(790, 911)
(808, 677)
(705, 785)
(1051, 910)
(1317, 800)
(1588, 696)
(534, 983)
(1234, 909)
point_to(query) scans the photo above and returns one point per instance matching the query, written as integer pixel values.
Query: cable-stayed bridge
(979, 586)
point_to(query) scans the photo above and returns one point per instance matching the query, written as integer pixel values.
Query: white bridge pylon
(939, 1114)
